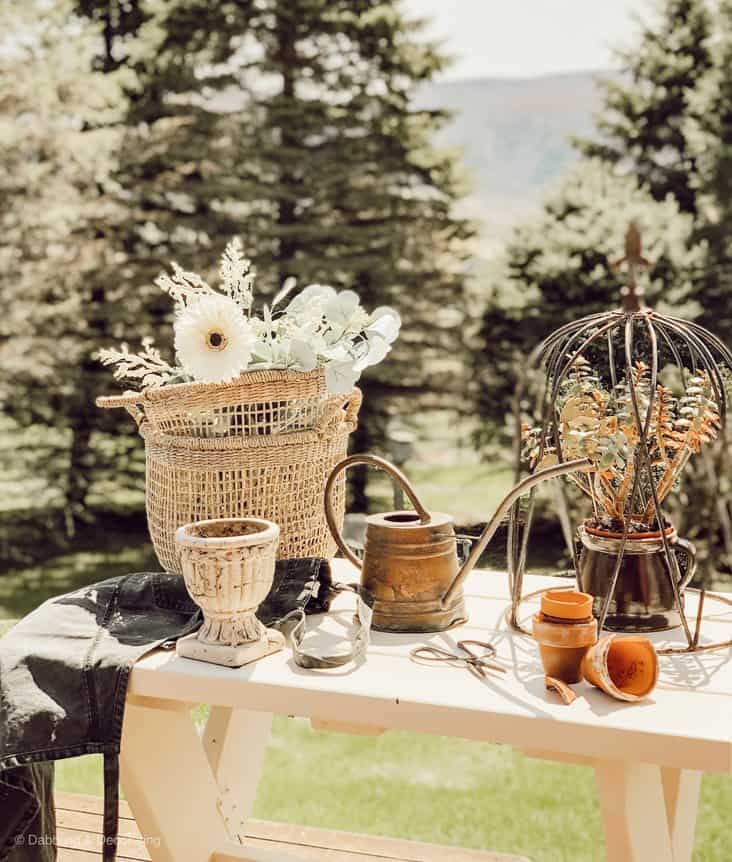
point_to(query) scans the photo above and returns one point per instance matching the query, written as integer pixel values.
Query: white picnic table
(192, 794)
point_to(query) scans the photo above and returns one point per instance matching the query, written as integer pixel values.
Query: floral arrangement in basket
(599, 423)
(218, 336)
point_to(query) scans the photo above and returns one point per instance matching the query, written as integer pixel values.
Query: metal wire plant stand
(620, 339)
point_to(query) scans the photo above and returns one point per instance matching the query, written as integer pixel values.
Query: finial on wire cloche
(632, 291)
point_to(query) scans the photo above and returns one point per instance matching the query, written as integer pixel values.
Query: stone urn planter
(228, 565)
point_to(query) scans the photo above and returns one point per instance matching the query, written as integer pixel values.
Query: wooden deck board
(80, 839)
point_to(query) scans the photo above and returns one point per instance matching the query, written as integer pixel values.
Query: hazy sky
(524, 38)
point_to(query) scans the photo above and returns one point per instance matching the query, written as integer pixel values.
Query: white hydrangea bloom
(376, 352)
(304, 355)
(384, 321)
(340, 377)
(310, 302)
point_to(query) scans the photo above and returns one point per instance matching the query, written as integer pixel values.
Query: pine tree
(117, 21)
(291, 124)
(559, 267)
(710, 129)
(59, 122)
(646, 151)
(643, 126)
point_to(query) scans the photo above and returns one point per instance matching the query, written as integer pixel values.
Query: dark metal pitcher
(643, 600)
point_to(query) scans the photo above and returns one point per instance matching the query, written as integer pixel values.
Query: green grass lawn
(102, 555)
(441, 790)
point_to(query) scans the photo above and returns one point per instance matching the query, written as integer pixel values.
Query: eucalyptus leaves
(217, 336)
(602, 424)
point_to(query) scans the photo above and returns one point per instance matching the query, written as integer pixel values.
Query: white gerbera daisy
(213, 339)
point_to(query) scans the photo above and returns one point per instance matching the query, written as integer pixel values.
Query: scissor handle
(478, 663)
(433, 653)
(373, 461)
(489, 651)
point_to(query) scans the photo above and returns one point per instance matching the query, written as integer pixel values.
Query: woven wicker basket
(261, 446)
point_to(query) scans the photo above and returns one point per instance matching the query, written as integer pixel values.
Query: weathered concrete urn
(228, 565)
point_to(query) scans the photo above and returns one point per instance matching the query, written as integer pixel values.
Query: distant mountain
(514, 135)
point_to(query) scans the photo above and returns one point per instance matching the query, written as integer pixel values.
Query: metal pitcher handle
(687, 548)
(372, 461)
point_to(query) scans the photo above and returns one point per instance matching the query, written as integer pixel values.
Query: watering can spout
(564, 468)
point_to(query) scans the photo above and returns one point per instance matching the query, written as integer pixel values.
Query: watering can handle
(373, 461)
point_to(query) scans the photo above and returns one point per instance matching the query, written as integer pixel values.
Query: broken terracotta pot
(624, 667)
(564, 630)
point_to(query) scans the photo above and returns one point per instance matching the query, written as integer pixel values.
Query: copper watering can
(410, 561)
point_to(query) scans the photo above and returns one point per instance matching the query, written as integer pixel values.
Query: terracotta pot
(624, 667)
(566, 605)
(644, 599)
(564, 629)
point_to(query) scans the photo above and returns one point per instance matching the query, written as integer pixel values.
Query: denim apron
(64, 672)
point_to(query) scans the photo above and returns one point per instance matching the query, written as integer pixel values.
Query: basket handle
(340, 410)
(355, 399)
(133, 402)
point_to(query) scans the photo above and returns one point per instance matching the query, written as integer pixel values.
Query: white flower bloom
(217, 336)
(386, 323)
(377, 350)
(341, 308)
(340, 376)
(303, 354)
(213, 339)
(311, 299)
(339, 352)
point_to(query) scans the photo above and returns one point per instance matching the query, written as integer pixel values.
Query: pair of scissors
(478, 663)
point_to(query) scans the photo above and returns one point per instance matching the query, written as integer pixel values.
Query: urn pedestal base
(230, 656)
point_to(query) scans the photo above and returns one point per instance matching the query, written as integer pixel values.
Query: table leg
(633, 811)
(681, 793)
(235, 741)
(168, 782)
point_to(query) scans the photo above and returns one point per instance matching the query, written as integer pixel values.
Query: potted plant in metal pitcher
(640, 436)
(638, 392)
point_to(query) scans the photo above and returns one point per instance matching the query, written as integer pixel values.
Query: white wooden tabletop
(686, 723)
